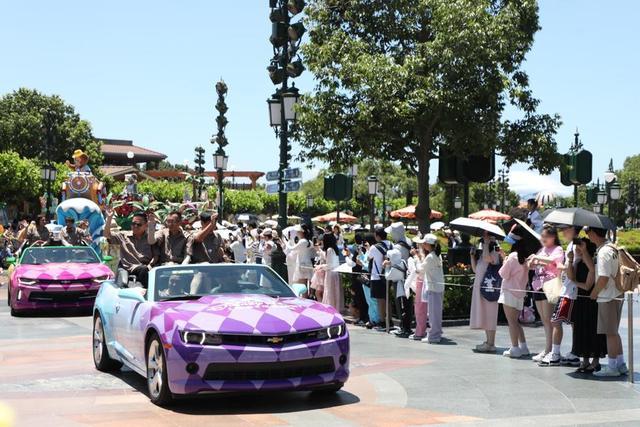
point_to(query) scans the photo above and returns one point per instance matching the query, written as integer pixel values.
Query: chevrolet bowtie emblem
(275, 340)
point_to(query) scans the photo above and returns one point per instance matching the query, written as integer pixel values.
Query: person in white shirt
(304, 254)
(533, 216)
(378, 283)
(609, 302)
(267, 245)
(430, 266)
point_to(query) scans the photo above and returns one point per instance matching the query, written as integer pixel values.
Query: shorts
(609, 314)
(378, 289)
(510, 300)
(563, 310)
(539, 295)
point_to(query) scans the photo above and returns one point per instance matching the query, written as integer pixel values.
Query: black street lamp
(309, 201)
(48, 173)
(220, 158)
(632, 200)
(503, 180)
(285, 38)
(372, 189)
(198, 181)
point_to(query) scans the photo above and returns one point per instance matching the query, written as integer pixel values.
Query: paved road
(48, 379)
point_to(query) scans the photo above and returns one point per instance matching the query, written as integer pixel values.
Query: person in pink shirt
(546, 264)
(515, 275)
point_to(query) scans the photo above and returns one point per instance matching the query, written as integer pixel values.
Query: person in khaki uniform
(205, 246)
(72, 235)
(137, 256)
(171, 240)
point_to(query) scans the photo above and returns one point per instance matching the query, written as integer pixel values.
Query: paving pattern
(47, 378)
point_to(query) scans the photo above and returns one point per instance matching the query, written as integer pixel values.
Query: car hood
(62, 271)
(246, 314)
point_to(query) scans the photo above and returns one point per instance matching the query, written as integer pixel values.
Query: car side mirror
(10, 260)
(132, 294)
(107, 258)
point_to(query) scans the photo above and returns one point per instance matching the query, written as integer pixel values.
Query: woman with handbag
(546, 281)
(484, 308)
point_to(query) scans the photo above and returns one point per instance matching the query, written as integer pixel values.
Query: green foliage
(22, 127)
(398, 79)
(457, 299)
(19, 178)
(237, 201)
(631, 240)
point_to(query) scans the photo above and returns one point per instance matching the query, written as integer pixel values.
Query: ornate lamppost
(220, 159)
(372, 187)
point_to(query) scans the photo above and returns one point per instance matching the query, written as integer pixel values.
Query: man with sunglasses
(171, 240)
(205, 246)
(72, 235)
(136, 254)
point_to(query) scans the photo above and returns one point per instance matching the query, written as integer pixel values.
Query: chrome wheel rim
(98, 338)
(154, 369)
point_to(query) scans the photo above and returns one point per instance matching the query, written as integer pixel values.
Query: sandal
(592, 368)
(583, 368)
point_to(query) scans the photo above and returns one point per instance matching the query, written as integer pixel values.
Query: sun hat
(79, 153)
(429, 238)
(267, 232)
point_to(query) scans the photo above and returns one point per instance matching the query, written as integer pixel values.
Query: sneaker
(525, 350)
(430, 340)
(622, 368)
(551, 359)
(570, 359)
(380, 328)
(513, 352)
(538, 357)
(415, 337)
(606, 371)
(403, 334)
(485, 348)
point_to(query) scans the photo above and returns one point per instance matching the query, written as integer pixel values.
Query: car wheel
(15, 313)
(157, 383)
(101, 357)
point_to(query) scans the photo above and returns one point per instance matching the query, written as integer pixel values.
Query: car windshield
(48, 254)
(193, 281)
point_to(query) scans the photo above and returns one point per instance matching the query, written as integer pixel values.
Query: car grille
(271, 340)
(268, 370)
(62, 297)
(62, 282)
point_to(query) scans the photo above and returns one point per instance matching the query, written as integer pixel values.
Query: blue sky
(145, 70)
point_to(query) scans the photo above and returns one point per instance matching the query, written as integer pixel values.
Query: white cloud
(526, 182)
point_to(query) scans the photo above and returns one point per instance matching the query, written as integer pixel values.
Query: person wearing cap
(403, 303)
(206, 246)
(378, 283)
(430, 268)
(515, 276)
(72, 235)
(137, 256)
(80, 160)
(171, 240)
(608, 296)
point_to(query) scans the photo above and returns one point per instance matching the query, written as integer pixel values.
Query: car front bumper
(54, 296)
(296, 366)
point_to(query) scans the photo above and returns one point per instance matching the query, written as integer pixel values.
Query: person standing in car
(170, 240)
(205, 246)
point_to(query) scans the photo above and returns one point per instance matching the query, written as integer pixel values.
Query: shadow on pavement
(234, 403)
(590, 377)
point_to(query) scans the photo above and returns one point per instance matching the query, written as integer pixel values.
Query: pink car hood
(63, 271)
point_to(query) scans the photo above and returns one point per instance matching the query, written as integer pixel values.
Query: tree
(19, 178)
(22, 127)
(399, 79)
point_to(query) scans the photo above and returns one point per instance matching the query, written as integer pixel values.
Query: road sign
(291, 173)
(289, 186)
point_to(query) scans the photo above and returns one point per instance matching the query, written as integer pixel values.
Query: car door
(125, 309)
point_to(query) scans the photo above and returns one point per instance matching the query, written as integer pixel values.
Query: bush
(630, 239)
(19, 178)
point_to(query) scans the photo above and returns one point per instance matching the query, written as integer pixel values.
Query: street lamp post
(220, 158)
(49, 171)
(48, 174)
(285, 38)
(309, 202)
(503, 179)
(632, 200)
(457, 204)
(372, 189)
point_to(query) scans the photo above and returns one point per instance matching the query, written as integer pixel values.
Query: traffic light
(285, 38)
(475, 168)
(338, 187)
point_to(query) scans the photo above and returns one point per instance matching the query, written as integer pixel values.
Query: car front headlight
(200, 338)
(100, 279)
(25, 281)
(332, 332)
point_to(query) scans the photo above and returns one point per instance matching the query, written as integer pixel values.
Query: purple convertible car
(215, 328)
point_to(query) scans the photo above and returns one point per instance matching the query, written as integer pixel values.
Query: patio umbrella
(332, 216)
(409, 212)
(438, 225)
(490, 215)
(579, 217)
(476, 227)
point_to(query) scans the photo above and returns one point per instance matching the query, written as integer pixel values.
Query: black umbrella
(578, 217)
(476, 227)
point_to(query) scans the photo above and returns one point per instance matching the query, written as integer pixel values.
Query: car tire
(15, 313)
(101, 357)
(157, 383)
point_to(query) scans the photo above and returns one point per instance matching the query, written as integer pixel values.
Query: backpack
(382, 247)
(491, 283)
(628, 276)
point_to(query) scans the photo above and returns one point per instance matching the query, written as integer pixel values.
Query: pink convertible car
(55, 278)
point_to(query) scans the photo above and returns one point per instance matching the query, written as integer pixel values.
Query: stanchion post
(386, 304)
(629, 298)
